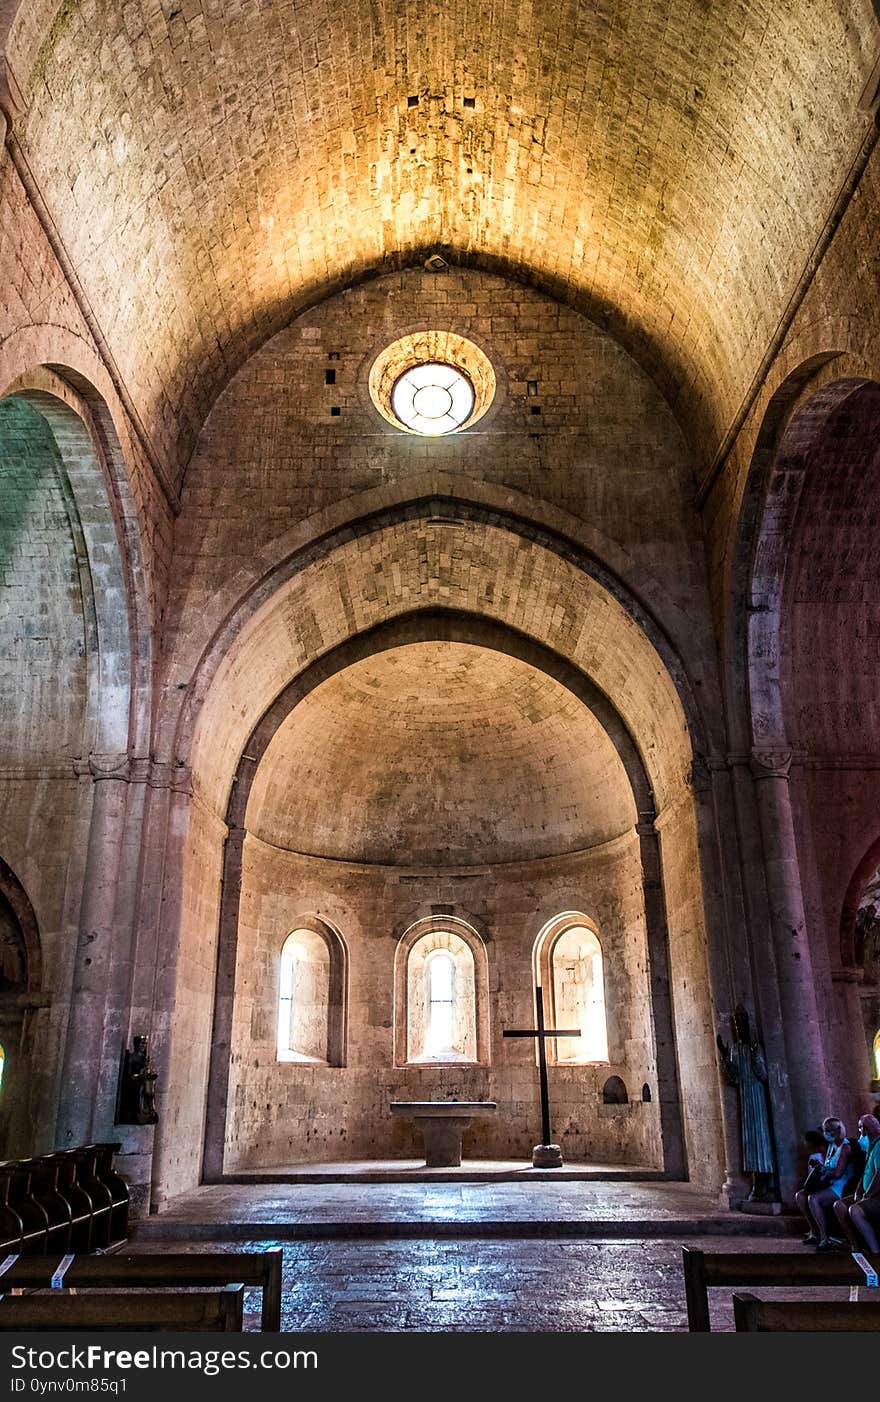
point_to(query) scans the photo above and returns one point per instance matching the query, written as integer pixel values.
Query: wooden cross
(542, 1033)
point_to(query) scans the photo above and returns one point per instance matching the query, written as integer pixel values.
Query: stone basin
(442, 1123)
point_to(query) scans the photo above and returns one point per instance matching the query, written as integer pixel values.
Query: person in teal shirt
(859, 1216)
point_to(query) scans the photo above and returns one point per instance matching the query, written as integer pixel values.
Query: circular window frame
(432, 347)
(457, 423)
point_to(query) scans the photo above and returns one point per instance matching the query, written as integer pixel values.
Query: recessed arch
(429, 933)
(795, 445)
(803, 698)
(574, 987)
(325, 998)
(416, 626)
(94, 477)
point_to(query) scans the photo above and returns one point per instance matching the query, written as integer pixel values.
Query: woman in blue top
(836, 1179)
(859, 1216)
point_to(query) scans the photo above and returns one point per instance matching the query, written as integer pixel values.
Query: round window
(432, 398)
(432, 383)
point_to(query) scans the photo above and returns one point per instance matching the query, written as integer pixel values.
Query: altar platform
(539, 1204)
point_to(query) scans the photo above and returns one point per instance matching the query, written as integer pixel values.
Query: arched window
(311, 981)
(569, 967)
(440, 1032)
(441, 999)
(877, 1056)
(2, 1064)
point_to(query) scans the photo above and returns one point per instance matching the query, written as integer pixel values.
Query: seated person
(816, 1146)
(836, 1179)
(859, 1216)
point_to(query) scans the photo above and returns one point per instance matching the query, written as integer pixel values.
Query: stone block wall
(290, 1113)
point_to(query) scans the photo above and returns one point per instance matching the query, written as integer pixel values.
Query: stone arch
(470, 936)
(336, 1032)
(544, 965)
(802, 700)
(443, 498)
(789, 452)
(507, 575)
(86, 572)
(104, 520)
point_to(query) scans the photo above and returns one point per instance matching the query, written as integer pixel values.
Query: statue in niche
(136, 1101)
(745, 1067)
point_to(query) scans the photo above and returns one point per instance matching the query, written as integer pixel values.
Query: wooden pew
(732, 1268)
(70, 1200)
(162, 1270)
(754, 1316)
(217, 1311)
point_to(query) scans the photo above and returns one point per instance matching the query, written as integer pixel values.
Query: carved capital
(771, 763)
(110, 767)
(699, 775)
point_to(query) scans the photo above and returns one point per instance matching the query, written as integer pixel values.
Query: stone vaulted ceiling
(440, 753)
(212, 165)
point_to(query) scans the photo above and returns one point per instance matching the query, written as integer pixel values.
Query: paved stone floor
(476, 1286)
(471, 1170)
(495, 1208)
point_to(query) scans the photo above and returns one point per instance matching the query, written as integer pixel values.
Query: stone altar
(442, 1123)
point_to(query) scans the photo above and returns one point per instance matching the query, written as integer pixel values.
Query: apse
(414, 823)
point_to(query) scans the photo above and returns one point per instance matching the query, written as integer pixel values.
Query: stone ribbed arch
(106, 521)
(394, 631)
(474, 566)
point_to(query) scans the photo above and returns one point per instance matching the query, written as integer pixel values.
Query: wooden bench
(754, 1316)
(217, 1311)
(164, 1270)
(70, 1200)
(732, 1268)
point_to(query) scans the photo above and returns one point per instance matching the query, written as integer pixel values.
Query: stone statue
(136, 1102)
(745, 1068)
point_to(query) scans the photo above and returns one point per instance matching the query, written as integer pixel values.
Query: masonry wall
(604, 447)
(287, 1113)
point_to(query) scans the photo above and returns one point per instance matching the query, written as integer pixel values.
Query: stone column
(93, 963)
(804, 1044)
(668, 1089)
(759, 973)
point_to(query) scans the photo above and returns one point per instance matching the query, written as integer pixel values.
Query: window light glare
(433, 398)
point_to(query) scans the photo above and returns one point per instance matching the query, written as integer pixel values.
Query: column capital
(105, 766)
(771, 763)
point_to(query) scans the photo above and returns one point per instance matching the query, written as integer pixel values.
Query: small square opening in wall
(329, 377)
(333, 355)
(470, 102)
(536, 408)
(413, 101)
(335, 411)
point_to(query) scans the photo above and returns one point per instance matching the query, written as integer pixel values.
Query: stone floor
(479, 1286)
(436, 1209)
(470, 1171)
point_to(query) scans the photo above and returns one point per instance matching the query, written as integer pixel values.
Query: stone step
(447, 1175)
(167, 1228)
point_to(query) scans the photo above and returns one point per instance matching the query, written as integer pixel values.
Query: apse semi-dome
(432, 383)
